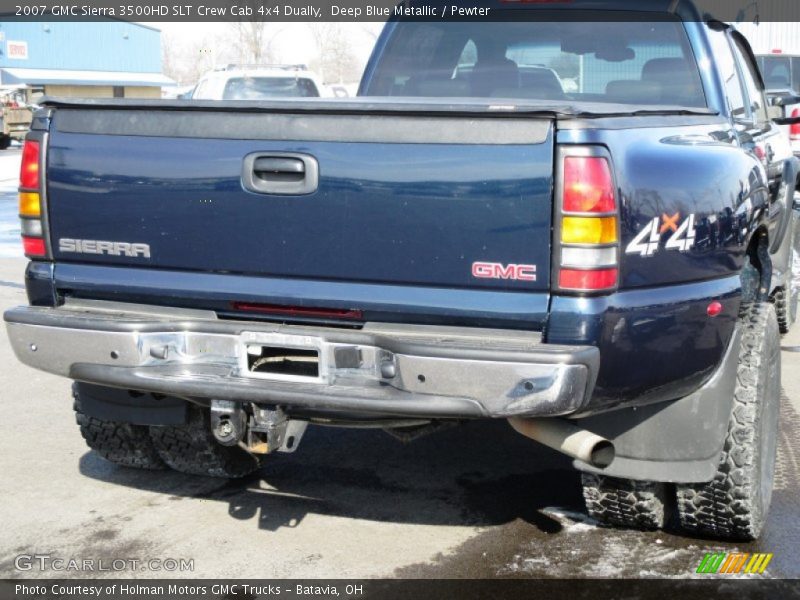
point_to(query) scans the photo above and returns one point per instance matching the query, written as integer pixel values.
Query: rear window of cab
(257, 88)
(634, 61)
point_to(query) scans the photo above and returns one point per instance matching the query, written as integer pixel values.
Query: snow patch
(570, 520)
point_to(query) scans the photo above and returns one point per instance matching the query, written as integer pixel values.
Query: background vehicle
(16, 115)
(257, 82)
(781, 74)
(602, 267)
(183, 92)
(780, 71)
(782, 79)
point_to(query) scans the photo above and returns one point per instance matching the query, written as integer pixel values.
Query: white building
(772, 38)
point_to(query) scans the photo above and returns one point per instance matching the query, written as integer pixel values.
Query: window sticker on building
(18, 50)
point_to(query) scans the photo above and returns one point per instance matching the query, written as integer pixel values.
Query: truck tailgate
(406, 199)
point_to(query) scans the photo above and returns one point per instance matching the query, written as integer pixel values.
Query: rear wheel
(785, 309)
(786, 299)
(5, 142)
(192, 449)
(734, 505)
(120, 443)
(624, 502)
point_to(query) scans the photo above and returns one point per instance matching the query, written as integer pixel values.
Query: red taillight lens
(794, 130)
(598, 279)
(588, 185)
(29, 171)
(34, 246)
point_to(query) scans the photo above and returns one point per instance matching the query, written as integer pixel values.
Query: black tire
(5, 142)
(120, 443)
(192, 449)
(734, 505)
(785, 310)
(624, 502)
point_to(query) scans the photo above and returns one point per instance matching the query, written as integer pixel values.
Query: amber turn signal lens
(29, 204)
(589, 230)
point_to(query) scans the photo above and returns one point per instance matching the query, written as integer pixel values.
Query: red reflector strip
(34, 246)
(29, 168)
(298, 311)
(599, 279)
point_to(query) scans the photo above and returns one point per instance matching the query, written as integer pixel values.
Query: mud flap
(136, 408)
(679, 441)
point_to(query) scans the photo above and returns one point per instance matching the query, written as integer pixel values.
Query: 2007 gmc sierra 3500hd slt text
(600, 254)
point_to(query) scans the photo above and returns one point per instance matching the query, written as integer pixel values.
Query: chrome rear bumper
(378, 370)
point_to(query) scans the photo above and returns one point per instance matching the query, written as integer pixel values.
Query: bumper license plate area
(285, 357)
(268, 361)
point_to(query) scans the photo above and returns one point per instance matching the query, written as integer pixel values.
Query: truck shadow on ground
(481, 474)
(478, 474)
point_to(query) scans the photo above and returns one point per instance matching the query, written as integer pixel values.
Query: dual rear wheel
(189, 448)
(733, 505)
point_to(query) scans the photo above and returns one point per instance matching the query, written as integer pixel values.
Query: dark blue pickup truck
(584, 227)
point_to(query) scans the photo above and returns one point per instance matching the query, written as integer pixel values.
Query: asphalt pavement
(472, 501)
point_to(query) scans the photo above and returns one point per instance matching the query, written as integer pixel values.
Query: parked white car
(781, 74)
(257, 82)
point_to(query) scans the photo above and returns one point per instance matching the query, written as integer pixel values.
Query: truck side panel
(658, 342)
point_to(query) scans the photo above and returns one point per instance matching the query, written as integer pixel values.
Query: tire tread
(123, 444)
(726, 507)
(624, 502)
(192, 449)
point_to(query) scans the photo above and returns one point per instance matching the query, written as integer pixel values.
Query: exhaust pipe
(561, 435)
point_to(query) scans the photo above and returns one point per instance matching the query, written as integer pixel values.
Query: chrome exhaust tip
(569, 439)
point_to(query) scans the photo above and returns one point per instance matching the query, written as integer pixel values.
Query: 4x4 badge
(648, 241)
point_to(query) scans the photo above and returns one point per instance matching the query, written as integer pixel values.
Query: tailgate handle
(284, 174)
(290, 169)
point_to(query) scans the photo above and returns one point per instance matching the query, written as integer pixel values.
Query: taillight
(588, 186)
(794, 130)
(589, 230)
(587, 238)
(30, 204)
(30, 201)
(594, 279)
(33, 246)
(29, 169)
